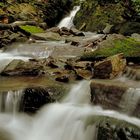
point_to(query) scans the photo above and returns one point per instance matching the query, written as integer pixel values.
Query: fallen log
(20, 23)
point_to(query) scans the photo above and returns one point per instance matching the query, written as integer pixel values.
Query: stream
(72, 118)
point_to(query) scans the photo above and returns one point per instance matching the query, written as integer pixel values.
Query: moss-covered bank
(95, 15)
(128, 46)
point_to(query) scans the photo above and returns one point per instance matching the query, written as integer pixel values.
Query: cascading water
(130, 100)
(68, 21)
(67, 120)
(10, 101)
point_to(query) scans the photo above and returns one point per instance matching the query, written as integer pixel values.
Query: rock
(19, 67)
(110, 67)
(52, 63)
(71, 65)
(47, 36)
(64, 31)
(34, 98)
(107, 29)
(76, 32)
(54, 29)
(74, 43)
(63, 78)
(107, 94)
(102, 70)
(114, 95)
(116, 130)
(8, 36)
(83, 74)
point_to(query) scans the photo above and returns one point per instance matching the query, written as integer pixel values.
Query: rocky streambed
(42, 69)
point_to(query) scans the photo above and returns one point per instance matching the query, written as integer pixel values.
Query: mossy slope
(128, 46)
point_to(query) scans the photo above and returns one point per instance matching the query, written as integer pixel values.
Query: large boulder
(110, 67)
(116, 95)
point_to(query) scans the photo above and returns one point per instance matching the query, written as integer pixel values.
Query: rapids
(61, 121)
(74, 118)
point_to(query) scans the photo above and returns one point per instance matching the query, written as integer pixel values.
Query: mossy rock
(128, 46)
(32, 29)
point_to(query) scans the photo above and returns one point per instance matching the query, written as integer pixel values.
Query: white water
(68, 21)
(10, 101)
(130, 100)
(61, 121)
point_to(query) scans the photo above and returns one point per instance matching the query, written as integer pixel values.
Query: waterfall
(66, 120)
(130, 100)
(10, 101)
(68, 21)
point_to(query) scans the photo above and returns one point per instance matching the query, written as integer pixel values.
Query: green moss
(32, 29)
(128, 46)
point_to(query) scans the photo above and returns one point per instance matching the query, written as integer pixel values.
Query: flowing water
(61, 121)
(68, 21)
(130, 100)
(10, 101)
(67, 120)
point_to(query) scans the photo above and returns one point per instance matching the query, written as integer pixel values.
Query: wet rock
(34, 98)
(116, 95)
(103, 69)
(110, 67)
(110, 130)
(8, 36)
(83, 74)
(76, 32)
(107, 29)
(74, 64)
(107, 93)
(74, 43)
(52, 63)
(47, 36)
(19, 67)
(54, 29)
(62, 78)
(64, 31)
